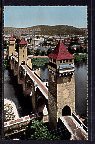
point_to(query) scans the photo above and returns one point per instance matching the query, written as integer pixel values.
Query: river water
(13, 91)
(81, 89)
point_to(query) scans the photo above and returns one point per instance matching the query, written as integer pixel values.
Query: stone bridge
(38, 91)
(31, 83)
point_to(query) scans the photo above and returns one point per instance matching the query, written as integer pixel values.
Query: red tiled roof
(60, 52)
(12, 38)
(23, 42)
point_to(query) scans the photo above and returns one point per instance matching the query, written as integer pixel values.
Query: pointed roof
(60, 52)
(23, 42)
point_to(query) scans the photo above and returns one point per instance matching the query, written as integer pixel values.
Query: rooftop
(60, 52)
(23, 42)
(11, 38)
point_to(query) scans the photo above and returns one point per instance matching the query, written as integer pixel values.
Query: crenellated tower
(61, 85)
(22, 54)
(11, 49)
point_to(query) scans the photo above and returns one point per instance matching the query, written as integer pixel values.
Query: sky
(27, 16)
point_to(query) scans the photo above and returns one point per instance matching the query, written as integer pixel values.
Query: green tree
(37, 52)
(49, 51)
(40, 132)
(43, 53)
(30, 51)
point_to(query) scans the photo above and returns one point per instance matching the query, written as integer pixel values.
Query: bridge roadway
(76, 130)
(18, 125)
(38, 83)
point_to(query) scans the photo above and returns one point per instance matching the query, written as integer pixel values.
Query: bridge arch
(66, 111)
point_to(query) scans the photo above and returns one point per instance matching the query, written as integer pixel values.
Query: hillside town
(43, 44)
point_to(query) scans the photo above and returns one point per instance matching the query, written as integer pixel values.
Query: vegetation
(39, 131)
(43, 53)
(49, 51)
(77, 49)
(5, 46)
(39, 61)
(48, 30)
(30, 51)
(5, 63)
(80, 57)
(37, 52)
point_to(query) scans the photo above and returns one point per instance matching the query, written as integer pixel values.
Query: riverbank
(10, 110)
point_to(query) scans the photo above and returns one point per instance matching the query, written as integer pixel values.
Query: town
(52, 96)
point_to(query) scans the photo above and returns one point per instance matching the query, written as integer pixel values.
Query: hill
(46, 30)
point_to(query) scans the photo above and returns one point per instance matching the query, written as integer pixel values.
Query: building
(61, 84)
(11, 48)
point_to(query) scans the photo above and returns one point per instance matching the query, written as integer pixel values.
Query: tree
(5, 45)
(49, 51)
(30, 51)
(37, 52)
(42, 53)
(40, 132)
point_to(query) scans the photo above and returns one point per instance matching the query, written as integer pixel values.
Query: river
(13, 91)
(81, 89)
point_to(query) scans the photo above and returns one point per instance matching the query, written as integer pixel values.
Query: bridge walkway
(76, 130)
(37, 81)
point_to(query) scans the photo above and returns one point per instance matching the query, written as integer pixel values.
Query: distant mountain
(46, 30)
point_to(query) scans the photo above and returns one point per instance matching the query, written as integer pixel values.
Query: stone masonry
(65, 93)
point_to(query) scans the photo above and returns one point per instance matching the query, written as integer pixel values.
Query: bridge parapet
(17, 125)
(80, 122)
(37, 82)
(15, 68)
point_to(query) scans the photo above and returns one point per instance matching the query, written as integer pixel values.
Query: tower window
(54, 60)
(23, 56)
(63, 61)
(60, 61)
(66, 60)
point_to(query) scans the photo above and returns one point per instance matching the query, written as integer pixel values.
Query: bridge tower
(11, 49)
(22, 54)
(61, 85)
